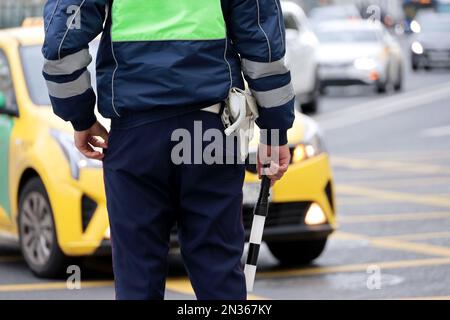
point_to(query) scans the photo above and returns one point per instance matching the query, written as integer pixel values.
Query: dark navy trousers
(147, 194)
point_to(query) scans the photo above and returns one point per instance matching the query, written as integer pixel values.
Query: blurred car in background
(301, 50)
(52, 200)
(334, 12)
(359, 52)
(430, 45)
(442, 6)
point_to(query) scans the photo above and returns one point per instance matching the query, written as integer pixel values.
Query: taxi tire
(295, 253)
(310, 107)
(56, 263)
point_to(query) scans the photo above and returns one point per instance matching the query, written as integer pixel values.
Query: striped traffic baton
(256, 233)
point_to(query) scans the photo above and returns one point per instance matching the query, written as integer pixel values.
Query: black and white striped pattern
(259, 219)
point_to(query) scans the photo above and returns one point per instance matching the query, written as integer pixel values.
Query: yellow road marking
(407, 182)
(401, 264)
(393, 217)
(364, 175)
(421, 236)
(397, 244)
(45, 286)
(339, 235)
(404, 155)
(394, 195)
(395, 166)
(183, 285)
(348, 201)
(421, 248)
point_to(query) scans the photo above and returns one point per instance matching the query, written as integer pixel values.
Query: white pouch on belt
(239, 117)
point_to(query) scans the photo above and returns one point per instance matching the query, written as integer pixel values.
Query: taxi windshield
(33, 61)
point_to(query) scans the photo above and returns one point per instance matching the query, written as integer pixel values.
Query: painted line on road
(351, 201)
(421, 236)
(383, 107)
(396, 196)
(377, 102)
(351, 219)
(183, 286)
(436, 132)
(421, 248)
(399, 155)
(391, 243)
(408, 182)
(387, 265)
(367, 175)
(50, 286)
(346, 236)
(396, 166)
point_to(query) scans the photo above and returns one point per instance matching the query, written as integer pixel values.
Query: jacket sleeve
(256, 29)
(70, 25)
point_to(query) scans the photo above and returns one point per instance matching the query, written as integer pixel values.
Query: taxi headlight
(310, 148)
(315, 215)
(75, 158)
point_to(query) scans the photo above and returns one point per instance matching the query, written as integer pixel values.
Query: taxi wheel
(297, 252)
(37, 233)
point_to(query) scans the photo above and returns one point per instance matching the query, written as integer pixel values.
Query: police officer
(163, 66)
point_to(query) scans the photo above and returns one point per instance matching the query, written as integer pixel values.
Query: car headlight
(75, 158)
(365, 64)
(417, 47)
(415, 26)
(311, 146)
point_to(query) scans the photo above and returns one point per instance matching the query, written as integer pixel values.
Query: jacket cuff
(274, 137)
(84, 123)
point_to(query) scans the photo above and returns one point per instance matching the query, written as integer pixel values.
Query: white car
(301, 50)
(359, 52)
(334, 12)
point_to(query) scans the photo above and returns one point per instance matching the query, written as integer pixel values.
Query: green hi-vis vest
(165, 20)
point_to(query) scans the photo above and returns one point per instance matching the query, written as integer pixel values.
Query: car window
(435, 25)
(32, 61)
(6, 84)
(349, 36)
(329, 13)
(290, 22)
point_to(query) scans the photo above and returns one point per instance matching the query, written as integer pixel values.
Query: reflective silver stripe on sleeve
(68, 64)
(275, 97)
(256, 70)
(70, 89)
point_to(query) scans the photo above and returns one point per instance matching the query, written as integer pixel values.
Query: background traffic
(373, 77)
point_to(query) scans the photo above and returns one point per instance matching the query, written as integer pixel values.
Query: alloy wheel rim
(36, 228)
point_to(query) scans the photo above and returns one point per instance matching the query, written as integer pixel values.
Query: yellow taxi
(52, 200)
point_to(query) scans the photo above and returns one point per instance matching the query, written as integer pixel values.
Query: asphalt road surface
(391, 159)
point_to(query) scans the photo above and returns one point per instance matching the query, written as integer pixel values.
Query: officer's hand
(279, 158)
(87, 139)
